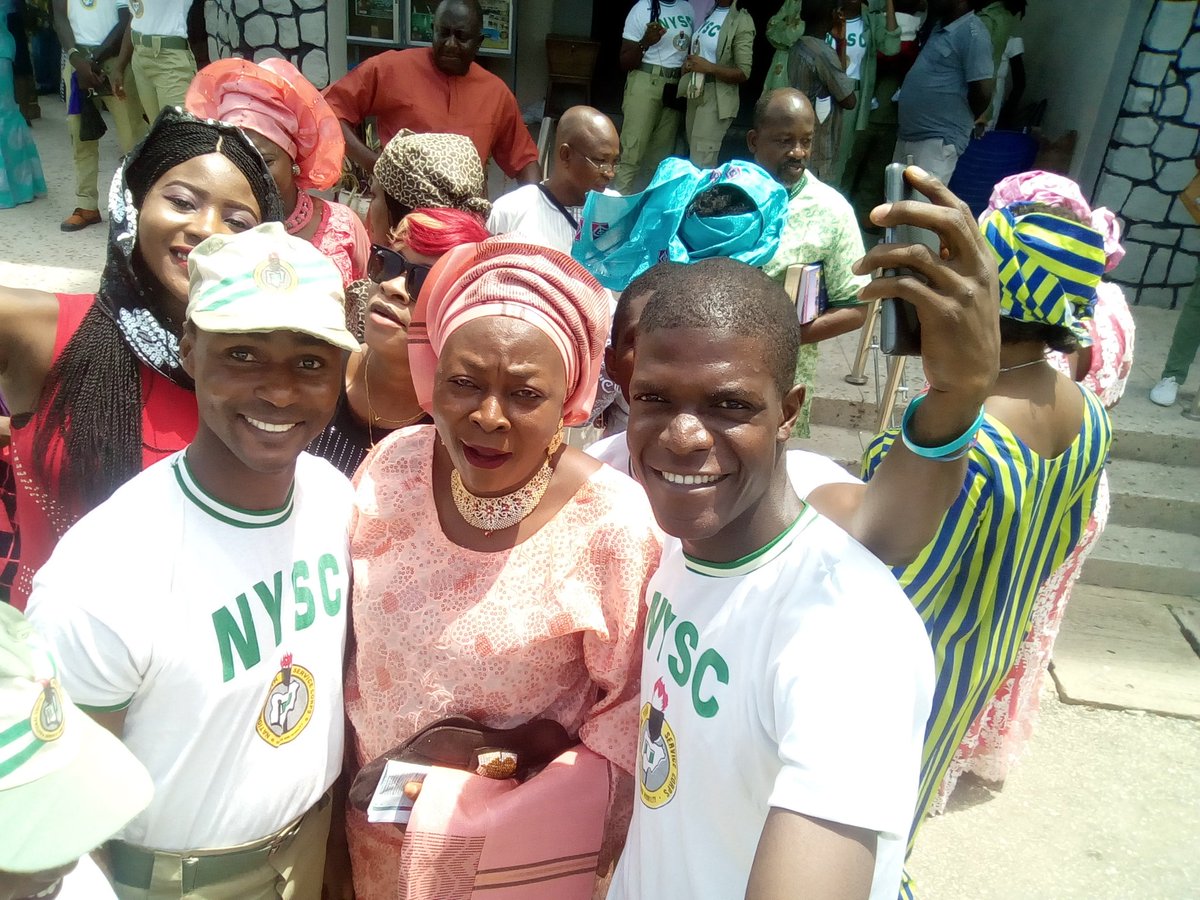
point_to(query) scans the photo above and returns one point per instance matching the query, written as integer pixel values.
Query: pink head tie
(273, 99)
(505, 277)
(1058, 190)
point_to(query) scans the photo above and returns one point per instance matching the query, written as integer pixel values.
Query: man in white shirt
(654, 44)
(91, 35)
(786, 680)
(200, 612)
(585, 160)
(157, 43)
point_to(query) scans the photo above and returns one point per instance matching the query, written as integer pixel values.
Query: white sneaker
(1164, 392)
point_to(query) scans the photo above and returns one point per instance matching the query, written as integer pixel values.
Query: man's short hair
(765, 109)
(471, 7)
(648, 281)
(730, 296)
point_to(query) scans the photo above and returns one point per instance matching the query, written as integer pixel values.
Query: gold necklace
(374, 418)
(490, 514)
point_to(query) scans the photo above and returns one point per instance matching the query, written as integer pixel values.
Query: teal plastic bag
(621, 237)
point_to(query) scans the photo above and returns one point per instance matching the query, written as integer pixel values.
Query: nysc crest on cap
(66, 784)
(265, 280)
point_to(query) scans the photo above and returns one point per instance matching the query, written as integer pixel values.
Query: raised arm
(885, 30)
(638, 35)
(799, 856)
(898, 512)
(358, 151)
(28, 321)
(631, 51)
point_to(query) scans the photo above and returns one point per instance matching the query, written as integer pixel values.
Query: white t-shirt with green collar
(677, 17)
(798, 677)
(221, 631)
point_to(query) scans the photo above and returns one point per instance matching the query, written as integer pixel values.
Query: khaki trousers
(162, 76)
(294, 871)
(647, 133)
(705, 131)
(131, 128)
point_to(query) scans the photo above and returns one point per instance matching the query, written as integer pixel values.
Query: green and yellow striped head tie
(1049, 268)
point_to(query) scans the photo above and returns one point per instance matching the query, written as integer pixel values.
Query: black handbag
(672, 98)
(91, 123)
(456, 742)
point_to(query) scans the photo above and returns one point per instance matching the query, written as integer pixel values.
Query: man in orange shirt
(440, 89)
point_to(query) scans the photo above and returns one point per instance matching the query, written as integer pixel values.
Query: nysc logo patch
(276, 275)
(47, 719)
(658, 766)
(289, 704)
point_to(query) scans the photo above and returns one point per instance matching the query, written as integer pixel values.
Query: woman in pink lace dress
(498, 574)
(301, 140)
(998, 737)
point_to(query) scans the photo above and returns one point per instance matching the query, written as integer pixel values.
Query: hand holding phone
(899, 329)
(954, 287)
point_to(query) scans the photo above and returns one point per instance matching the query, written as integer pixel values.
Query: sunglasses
(385, 264)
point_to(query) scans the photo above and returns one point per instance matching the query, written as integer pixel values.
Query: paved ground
(1105, 804)
(34, 252)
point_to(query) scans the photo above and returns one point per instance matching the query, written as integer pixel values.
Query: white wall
(1078, 56)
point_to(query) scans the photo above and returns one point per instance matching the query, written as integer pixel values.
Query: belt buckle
(284, 836)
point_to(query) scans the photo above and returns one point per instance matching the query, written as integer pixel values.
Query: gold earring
(556, 441)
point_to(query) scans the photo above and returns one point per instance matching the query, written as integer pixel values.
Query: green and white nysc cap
(66, 784)
(265, 280)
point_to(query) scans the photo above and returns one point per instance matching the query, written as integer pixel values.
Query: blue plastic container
(986, 161)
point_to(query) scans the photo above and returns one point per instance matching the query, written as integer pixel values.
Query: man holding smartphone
(654, 45)
(91, 33)
(785, 681)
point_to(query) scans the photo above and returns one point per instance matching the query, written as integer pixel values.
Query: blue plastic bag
(621, 237)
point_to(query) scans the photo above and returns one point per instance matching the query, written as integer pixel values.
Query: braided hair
(92, 395)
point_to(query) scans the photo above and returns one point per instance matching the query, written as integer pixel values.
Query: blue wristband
(956, 449)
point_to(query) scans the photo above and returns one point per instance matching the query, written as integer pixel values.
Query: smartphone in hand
(899, 327)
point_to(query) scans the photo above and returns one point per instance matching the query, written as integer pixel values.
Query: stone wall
(296, 30)
(1150, 158)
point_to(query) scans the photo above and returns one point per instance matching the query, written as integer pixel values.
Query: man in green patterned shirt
(820, 228)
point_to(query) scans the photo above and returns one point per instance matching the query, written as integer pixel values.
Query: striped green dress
(1014, 522)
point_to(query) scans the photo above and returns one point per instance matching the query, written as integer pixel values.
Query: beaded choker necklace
(490, 514)
(301, 215)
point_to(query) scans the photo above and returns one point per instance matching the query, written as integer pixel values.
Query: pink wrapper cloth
(273, 99)
(481, 837)
(504, 277)
(1058, 190)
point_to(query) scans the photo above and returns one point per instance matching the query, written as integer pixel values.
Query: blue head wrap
(621, 237)
(1049, 268)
